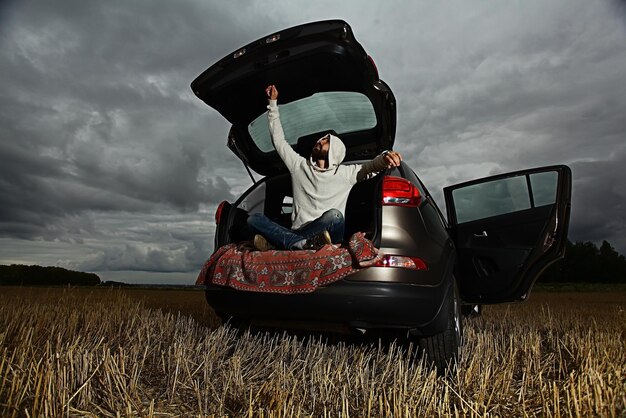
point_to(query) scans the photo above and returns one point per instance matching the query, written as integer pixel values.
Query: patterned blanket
(241, 267)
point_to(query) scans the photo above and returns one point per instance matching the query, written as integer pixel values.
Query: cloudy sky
(108, 162)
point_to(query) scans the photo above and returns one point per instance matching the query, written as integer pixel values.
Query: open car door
(507, 229)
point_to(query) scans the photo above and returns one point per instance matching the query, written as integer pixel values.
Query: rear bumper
(418, 309)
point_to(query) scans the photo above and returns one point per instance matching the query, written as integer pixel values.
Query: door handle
(481, 235)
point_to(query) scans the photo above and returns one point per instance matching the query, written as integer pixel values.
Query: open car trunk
(273, 197)
(326, 82)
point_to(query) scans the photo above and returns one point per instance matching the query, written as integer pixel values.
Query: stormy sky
(108, 162)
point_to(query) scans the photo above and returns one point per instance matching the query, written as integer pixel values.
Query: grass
(579, 287)
(133, 352)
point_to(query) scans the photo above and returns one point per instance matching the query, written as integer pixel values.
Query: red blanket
(243, 268)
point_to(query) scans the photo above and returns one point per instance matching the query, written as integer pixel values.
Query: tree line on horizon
(588, 263)
(21, 275)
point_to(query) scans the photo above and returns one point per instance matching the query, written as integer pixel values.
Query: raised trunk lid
(323, 74)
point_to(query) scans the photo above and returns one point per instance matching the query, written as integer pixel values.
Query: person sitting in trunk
(321, 185)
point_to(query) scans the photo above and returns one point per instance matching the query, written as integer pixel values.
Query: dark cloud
(161, 242)
(504, 91)
(135, 258)
(99, 116)
(110, 163)
(599, 200)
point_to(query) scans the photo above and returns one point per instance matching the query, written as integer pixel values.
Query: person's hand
(392, 159)
(271, 92)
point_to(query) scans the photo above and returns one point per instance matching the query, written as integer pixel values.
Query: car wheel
(442, 350)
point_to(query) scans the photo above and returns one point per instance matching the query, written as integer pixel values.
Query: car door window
(485, 200)
(544, 187)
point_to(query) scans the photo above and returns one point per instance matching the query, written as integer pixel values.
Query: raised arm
(286, 153)
(379, 163)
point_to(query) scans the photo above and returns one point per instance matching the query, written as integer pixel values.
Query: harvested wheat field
(103, 352)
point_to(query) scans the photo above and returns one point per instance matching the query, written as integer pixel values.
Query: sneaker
(318, 241)
(261, 244)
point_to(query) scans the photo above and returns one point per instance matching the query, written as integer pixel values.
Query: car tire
(442, 350)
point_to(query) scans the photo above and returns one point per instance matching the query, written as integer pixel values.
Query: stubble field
(161, 353)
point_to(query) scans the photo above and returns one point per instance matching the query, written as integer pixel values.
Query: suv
(501, 232)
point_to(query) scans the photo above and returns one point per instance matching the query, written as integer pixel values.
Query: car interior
(362, 209)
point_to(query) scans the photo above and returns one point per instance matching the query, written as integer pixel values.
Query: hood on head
(336, 152)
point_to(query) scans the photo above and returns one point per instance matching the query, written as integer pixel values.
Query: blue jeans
(289, 239)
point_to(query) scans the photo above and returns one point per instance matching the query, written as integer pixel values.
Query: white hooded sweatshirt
(316, 190)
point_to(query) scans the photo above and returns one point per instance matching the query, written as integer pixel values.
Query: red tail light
(218, 212)
(413, 263)
(399, 192)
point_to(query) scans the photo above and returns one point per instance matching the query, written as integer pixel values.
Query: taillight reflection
(218, 212)
(400, 192)
(413, 263)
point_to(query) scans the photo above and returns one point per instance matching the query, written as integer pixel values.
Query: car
(500, 233)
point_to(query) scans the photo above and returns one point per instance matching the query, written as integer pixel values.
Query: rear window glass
(343, 112)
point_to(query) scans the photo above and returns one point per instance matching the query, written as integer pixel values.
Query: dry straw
(110, 353)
